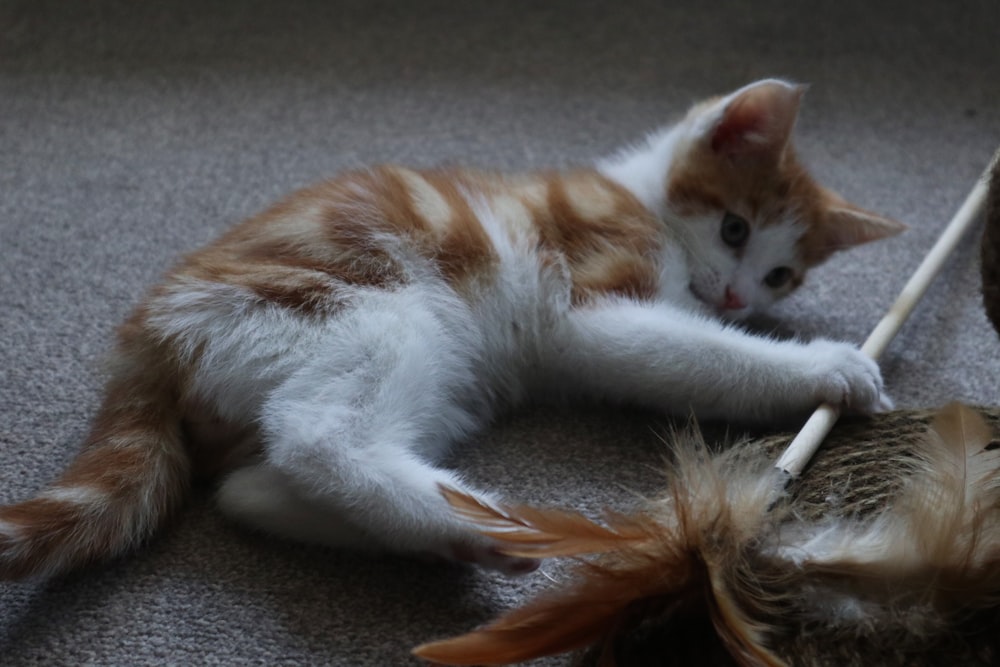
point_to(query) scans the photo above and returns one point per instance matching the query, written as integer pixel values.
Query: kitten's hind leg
(261, 496)
(402, 511)
(353, 433)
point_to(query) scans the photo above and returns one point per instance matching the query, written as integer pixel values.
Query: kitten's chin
(736, 315)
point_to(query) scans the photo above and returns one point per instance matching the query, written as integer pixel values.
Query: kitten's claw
(885, 404)
(845, 376)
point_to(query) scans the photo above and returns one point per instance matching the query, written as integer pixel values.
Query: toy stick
(801, 450)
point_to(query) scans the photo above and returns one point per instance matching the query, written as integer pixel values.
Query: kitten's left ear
(848, 225)
(757, 120)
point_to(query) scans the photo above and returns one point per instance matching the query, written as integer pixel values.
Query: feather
(564, 620)
(964, 437)
(962, 541)
(931, 554)
(726, 544)
(686, 554)
(538, 533)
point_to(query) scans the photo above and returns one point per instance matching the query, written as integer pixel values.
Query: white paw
(844, 376)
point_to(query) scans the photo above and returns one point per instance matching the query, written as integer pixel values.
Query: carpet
(133, 132)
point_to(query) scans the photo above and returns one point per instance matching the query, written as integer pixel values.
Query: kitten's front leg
(663, 357)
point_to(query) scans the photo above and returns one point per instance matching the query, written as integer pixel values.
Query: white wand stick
(801, 450)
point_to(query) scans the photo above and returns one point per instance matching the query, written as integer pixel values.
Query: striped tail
(132, 471)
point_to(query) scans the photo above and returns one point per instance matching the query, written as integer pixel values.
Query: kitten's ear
(848, 225)
(757, 120)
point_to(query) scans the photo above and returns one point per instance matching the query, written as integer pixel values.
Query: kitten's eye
(735, 230)
(778, 277)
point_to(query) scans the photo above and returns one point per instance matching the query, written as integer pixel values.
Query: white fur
(715, 267)
(643, 168)
(356, 409)
(667, 358)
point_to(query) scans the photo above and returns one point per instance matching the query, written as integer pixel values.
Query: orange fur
(131, 473)
(306, 257)
(607, 237)
(754, 130)
(297, 256)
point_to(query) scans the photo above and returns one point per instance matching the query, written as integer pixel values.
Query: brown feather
(935, 547)
(967, 472)
(685, 555)
(742, 635)
(725, 544)
(564, 620)
(538, 533)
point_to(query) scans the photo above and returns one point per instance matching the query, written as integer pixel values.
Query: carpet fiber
(131, 132)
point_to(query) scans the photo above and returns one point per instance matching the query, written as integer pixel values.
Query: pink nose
(732, 300)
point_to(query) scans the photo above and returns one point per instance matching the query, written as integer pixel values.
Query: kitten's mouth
(717, 306)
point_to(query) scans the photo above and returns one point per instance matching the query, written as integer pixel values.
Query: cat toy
(804, 446)
(886, 550)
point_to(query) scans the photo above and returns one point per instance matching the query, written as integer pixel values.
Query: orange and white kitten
(322, 356)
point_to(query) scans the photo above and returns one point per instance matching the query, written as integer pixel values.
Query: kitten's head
(751, 219)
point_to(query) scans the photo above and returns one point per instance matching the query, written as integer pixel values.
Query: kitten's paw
(845, 376)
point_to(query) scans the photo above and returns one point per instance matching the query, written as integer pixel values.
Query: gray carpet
(131, 132)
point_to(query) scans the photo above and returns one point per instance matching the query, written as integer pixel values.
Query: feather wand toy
(809, 439)
(885, 551)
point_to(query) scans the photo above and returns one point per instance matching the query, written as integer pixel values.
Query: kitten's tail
(132, 471)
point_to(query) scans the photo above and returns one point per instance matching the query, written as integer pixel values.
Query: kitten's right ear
(755, 121)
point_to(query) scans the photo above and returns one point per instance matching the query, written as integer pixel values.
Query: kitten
(321, 356)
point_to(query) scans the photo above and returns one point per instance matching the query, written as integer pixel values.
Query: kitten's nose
(732, 300)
